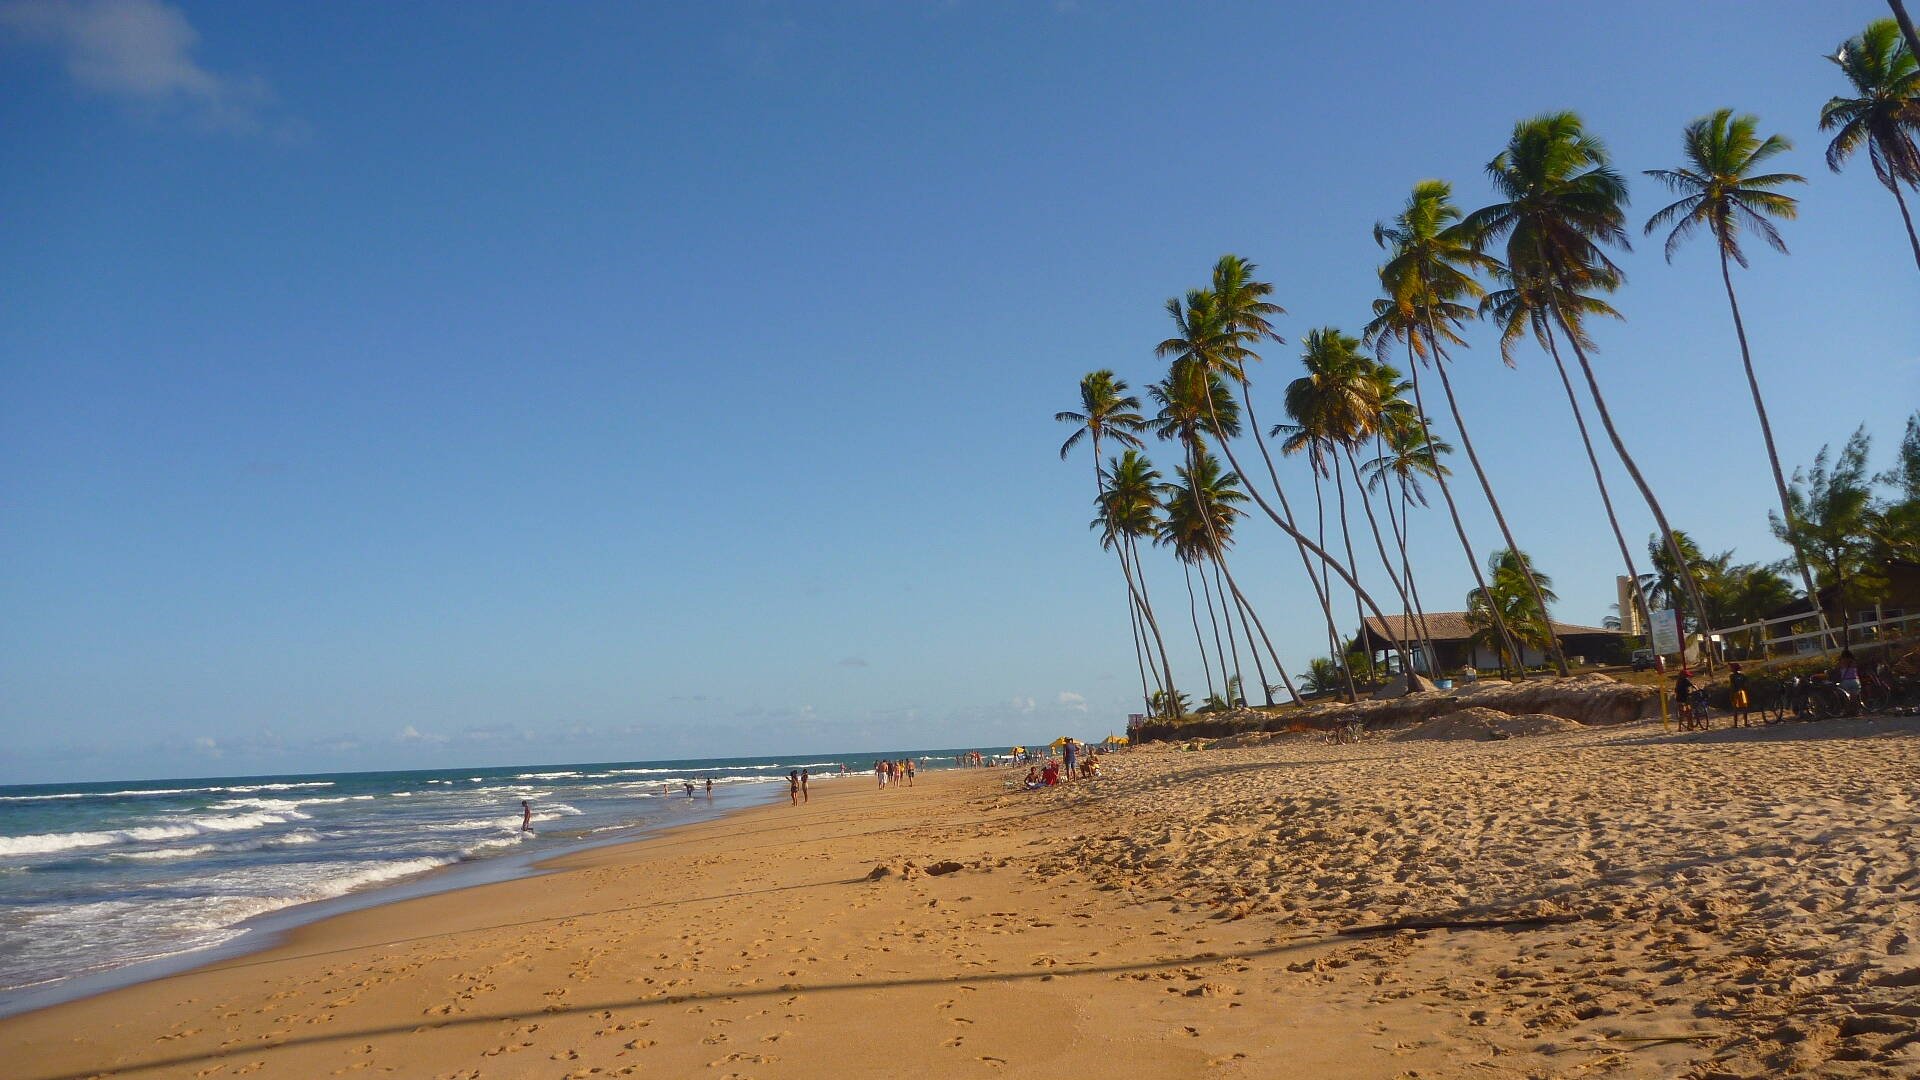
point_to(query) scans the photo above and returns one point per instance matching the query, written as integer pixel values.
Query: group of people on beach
(1076, 762)
(797, 786)
(893, 772)
(1691, 700)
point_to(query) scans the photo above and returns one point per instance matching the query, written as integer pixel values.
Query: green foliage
(1507, 582)
(1833, 512)
(1721, 188)
(1884, 116)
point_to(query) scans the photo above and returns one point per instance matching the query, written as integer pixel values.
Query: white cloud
(415, 735)
(140, 53)
(1022, 704)
(1073, 701)
(207, 745)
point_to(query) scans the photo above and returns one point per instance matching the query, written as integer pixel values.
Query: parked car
(1642, 659)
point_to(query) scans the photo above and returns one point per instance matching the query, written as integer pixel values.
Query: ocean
(96, 877)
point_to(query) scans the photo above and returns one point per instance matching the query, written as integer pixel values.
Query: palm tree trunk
(1280, 493)
(1278, 667)
(1219, 551)
(1233, 643)
(1500, 518)
(1402, 528)
(1139, 651)
(1219, 651)
(1446, 489)
(1773, 455)
(1906, 25)
(1122, 546)
(1600, 481)
(1259, 667)
(1380, 545)
(1193, 610)
(1286, 526)
(1906, 217)
(1640, 481)
(1146, 608)
(1346, 534)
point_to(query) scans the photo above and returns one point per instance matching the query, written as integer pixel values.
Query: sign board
(1666, 632)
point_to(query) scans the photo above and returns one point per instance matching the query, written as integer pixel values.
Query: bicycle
(1815, 699)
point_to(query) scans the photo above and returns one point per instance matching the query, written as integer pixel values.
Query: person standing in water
(709, 787)
(689, 784)
(526, 816)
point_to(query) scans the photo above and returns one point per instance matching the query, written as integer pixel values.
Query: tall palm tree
(1392, 411)
(1330, 405)
(1429, 269)
(1195, 403)
(1203, 339)
(1243, 315)
(1202, 506)
(1562, 203)
(1515, 593)
(1527, 303)
(1405, 457)
(1107, 411)
(1129, 510)
(1721, 187)
(1885, 117)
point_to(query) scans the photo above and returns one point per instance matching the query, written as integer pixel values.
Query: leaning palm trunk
(1219, 650)
(1446, 489)
(1146, 609)
(1773, 455)
(1287, 527)
(1346, 535)
(1193, 611)
(1403, 528)
(1233, 643)
(1140, 652)
(1380, 545)
(1280, 493)
(1259, 668)
(1220, 557)
(1500, 517)
(1684, 571)
(1600, 481)
(1908, 218)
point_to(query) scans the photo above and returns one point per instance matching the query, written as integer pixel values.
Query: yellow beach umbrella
(1117, 740)
(1058, 743)
(1019, 750)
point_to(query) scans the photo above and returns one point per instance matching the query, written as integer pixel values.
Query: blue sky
(392, 386)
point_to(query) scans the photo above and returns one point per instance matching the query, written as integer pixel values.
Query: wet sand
(1727, 904)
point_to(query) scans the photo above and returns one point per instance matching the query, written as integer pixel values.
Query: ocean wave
(545, 775)
(143, 793)
(48, 843)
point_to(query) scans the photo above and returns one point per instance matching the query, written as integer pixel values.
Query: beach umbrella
(1117, 740)
(1059, 742)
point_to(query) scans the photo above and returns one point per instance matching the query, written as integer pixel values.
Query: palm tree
(1201, 509)
(1391, 410)
(1242, 314)
(1107, 411)
(1562, 203)
(1906, 25)
(1405, 457)
(1720, 187)
(1885, 117)
(1331, 405)
(1129, 510)
(1429, 269)
(1207, 339)
(1527, 303)
(1515, 594)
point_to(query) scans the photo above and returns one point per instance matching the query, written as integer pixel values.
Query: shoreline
(262, 932)
(1728, 903)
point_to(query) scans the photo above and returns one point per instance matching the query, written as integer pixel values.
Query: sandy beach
(1725, 904)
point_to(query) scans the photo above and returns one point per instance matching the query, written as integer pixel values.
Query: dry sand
(1732, 904)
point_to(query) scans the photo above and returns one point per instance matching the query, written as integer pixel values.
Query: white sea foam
(141, 793)
(49, 843)
(545, 775)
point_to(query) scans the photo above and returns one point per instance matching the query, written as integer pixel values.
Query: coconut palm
(1721, 187)
(1391, 409)
(1884, 117)
(1239, 304)
(1331, 405)
(1429, 269)
(1129, 511)
(1525, 304)
(1562, 205)
(1201, 508)
(1515, 593)
(1406, 456)
(1107, 411)
(1212, 338)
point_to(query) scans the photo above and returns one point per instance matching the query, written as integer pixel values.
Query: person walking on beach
(880, 774)
(793, 786)
(1070, 751)
(804, 776)
(526, 816)
(1737, 695)
(909, 765)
